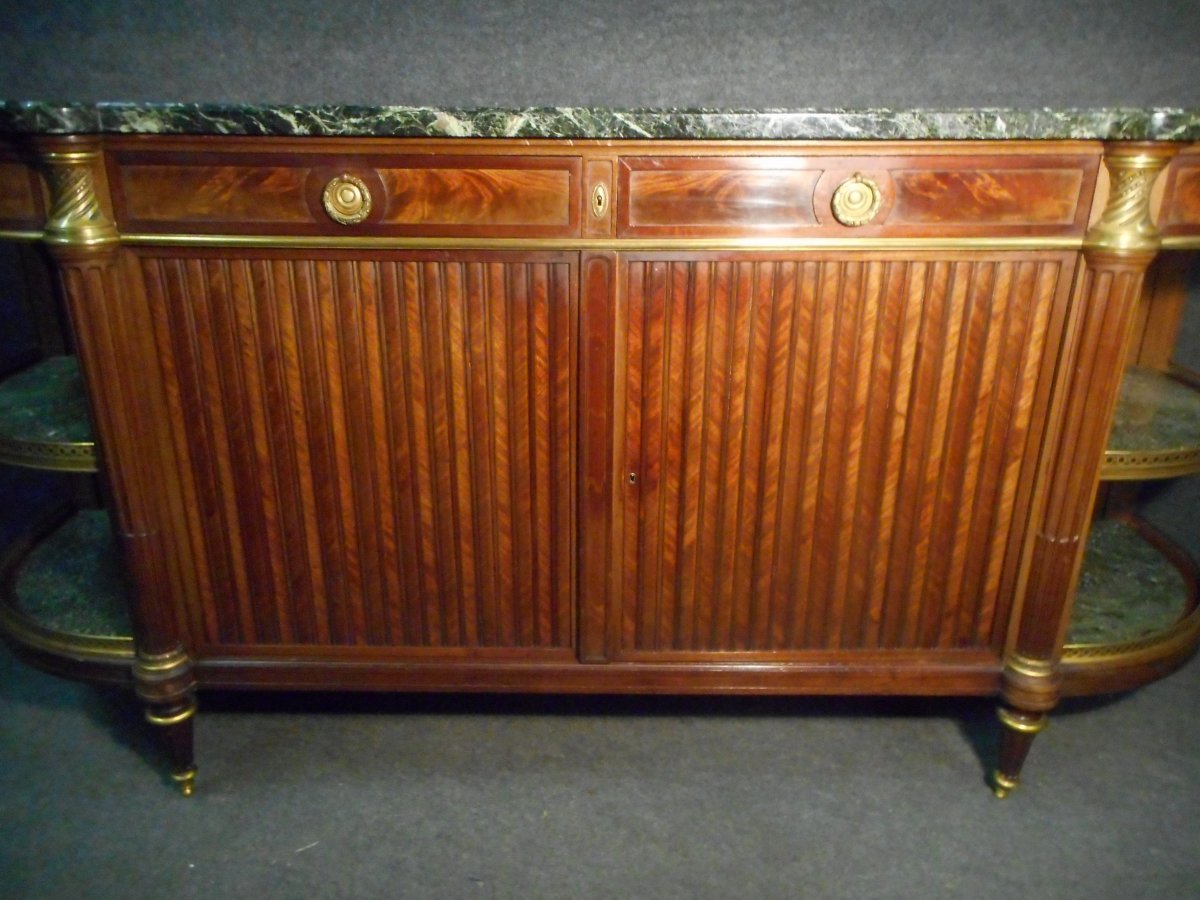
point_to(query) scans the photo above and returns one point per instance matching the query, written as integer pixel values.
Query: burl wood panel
(262, 193)
(374, 451)
(828, 453)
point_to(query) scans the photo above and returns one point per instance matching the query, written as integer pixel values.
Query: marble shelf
(1156, 429)
(44, 421)
(65, 601)
(1128, 589)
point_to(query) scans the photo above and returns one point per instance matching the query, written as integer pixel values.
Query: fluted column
(1117, 251)
(113, 337)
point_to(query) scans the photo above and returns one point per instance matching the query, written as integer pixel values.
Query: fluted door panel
(827, 453)
(374, 451)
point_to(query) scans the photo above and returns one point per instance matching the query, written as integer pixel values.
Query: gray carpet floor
(505, 797)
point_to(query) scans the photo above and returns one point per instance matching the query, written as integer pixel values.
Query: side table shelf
(1135, 617)
(63, 600)
(44, 422)
(1156, 429)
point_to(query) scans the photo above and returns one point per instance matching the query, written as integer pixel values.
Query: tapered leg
(1020, 727)
(166, 685)
(175, 725)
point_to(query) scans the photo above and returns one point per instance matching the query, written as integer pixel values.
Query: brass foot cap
(186, 781)
(1003, 785)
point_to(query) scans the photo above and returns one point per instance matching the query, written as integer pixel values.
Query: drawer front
(914, 196)
(437, 195)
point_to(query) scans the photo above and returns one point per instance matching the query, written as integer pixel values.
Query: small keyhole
(633, 477)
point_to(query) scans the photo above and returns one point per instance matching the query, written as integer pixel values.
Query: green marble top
(1128, 590)
(1155, 413)
(45, 404)
(73, 581)
(1155, 123)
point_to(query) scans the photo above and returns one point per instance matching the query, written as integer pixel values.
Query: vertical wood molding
(1118, 250)
(598, 310)
(112, 336)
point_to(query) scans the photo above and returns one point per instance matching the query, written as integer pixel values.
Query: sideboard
(671, 403)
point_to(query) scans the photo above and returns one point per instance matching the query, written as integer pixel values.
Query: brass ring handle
(856, 200)
(346, 199)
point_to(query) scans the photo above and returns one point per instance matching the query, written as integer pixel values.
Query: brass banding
(64, 457)
(1033, 668)
(162, 662)
(1016, 723)
(753, 244)
(174, 718)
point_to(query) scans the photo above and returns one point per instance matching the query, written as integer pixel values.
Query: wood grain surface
(824, 453)
(374, 452)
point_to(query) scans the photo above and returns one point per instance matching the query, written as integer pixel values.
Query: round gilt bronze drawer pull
(346, 199)
(856, 201)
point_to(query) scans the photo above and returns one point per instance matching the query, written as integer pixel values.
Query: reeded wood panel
(824, 454)
(375, 452)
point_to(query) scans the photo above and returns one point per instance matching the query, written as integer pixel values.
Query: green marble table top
(1154, 124)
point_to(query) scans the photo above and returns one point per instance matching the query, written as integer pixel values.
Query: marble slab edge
(581, 123)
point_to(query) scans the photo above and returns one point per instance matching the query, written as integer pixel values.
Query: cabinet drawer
(904, 195)
(261, 193)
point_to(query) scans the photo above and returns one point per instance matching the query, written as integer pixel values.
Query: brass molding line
(1181, 242)
(65, 457)
(1138, 465)
(1032, 668)
(25, 631)
(8, 234)
(1016, 723)
(174, 719)
(162, 662)
(766, 245)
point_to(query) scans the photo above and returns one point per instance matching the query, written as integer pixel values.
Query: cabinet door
(372, 451)
(826, 453)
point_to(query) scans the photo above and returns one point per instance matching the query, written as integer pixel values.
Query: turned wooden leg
(175, 724)
(166, 684)
(1020, 727)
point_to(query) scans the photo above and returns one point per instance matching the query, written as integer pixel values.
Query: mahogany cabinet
(793, 417)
